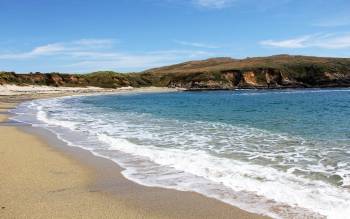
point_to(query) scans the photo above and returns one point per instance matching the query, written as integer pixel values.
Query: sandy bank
(14, 90)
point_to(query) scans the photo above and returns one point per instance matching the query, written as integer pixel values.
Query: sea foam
(256, 170)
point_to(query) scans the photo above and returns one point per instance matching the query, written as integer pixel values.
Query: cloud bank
(100, 54)
(324, 41)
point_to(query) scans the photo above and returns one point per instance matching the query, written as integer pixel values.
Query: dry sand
(41, 180)
(15, 90)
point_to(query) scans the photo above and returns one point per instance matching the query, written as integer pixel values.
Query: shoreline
(101, 182)
(268, 89)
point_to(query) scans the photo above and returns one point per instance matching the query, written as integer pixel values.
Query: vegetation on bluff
(219, 73)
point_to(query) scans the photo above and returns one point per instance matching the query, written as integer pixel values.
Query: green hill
(281, 71)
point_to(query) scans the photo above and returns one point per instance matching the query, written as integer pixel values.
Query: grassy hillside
(284, 62)
(280, 71)
(285, 70)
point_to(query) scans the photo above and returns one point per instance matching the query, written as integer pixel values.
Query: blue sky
(133, 35)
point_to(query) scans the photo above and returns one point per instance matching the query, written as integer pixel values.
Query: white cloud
(103, 61)
(47, 49)
(61, 47)
(99, 54)
(37, 51)
(213, 3)
(325, 41)
(289, 43)
(196, 44)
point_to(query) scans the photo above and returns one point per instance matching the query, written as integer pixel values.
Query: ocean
(281, 153)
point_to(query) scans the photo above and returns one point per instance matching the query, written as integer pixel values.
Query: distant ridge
(279, 71)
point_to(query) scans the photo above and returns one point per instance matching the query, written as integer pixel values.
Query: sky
(78, 36)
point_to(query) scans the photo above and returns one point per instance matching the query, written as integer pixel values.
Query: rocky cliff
(281, 71)
(258, 78)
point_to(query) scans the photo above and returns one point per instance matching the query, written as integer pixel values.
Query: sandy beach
(41, 177)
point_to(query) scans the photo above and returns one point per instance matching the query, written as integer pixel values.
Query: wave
(240, 165)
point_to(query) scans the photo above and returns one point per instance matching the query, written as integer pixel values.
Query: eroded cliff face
(228, 80)
(259, 78)
(249, 79)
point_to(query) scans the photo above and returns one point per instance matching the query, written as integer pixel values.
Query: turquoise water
(285, 154)
(318, 114)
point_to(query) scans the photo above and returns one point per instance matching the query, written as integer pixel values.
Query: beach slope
(39, 180)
